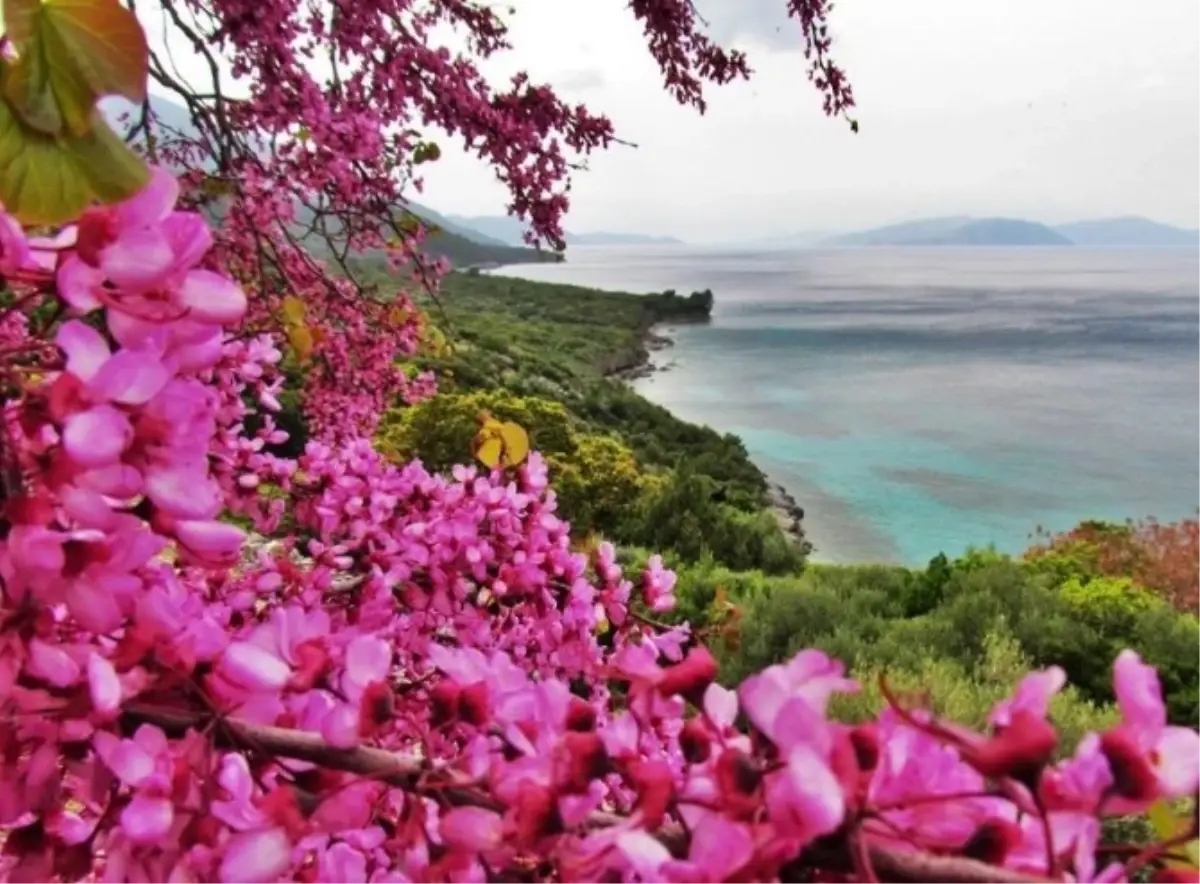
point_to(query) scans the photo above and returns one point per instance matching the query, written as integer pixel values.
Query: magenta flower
(140, 258)
(1149, 759)
(14, 247)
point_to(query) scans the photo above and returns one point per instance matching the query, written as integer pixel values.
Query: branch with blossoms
(420, 678)
(480, 702)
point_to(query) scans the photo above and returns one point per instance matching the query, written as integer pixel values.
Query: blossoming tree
(419, 680)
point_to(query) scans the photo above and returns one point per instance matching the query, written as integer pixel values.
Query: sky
(1053, 110)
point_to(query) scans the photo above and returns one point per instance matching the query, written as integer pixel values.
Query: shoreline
(641, 364)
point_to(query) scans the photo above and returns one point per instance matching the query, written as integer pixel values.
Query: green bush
(967, 694)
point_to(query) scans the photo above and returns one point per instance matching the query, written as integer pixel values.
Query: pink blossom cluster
(423, 679)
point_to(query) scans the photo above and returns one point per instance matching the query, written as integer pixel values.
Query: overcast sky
(1055, 110)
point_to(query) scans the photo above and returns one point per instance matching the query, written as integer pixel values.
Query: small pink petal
(343, 864)
(185, 493)
(103, 684)
(137, 259)
(189, 235)
(254, 857)
(368, 659)
(472, 829)
(214, 543)
(51, 664)
(85, 348)
(211, 297)
(96, 437)
(146, 820)
(93, 605)
(131, 762)
(254, 667)
(1178, 765)
(79, 285)
(130, 377)
(721, 705)
(1139, 693)
(152, 203)
(340, 727)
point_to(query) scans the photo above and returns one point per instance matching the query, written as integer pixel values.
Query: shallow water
(920, 400)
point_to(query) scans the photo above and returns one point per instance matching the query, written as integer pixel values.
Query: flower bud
(581, 715)
(1019, 751)
(1133, 777)
(690, 677)
(694, 740)
(992, 841)
(587, 759)
(655, 787)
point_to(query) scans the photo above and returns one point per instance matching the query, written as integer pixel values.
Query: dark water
(924, 400)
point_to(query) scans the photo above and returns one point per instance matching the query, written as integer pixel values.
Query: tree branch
(412, 773)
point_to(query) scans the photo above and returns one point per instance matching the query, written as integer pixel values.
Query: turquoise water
(916, 401)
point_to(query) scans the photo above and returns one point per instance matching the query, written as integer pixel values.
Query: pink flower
(1149, 759)
(657, 585)
(787, 702)
(472, 829)
(14, 248)
(147, 254)
(258, 856)
(1033, 695)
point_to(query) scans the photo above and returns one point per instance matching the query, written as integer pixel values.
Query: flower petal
(213, 543)
(85, 349)
(256, 857)
(130, 377)
(96, 437)
(146, 820)
(211, 297)
(138, 258)
(472, 829)
(51, 664)
(1139, 693)
(1179, 762)
(152, 203)
(103, 684)
(185, 493)
(79, 285)
(254, 667)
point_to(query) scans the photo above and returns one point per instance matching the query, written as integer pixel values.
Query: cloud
(584, 80)
(763, 23)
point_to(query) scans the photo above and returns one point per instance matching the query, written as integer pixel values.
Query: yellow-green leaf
(293, 310)
(301, 340)
(48, 179)
(489, 450)
(70, 53)
(516, 443)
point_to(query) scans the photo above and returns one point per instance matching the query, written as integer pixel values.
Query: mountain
(955, 231)
(461, 246)
(510, 231)
(1128, 231)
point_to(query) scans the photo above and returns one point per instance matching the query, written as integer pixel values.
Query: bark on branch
(410, 772)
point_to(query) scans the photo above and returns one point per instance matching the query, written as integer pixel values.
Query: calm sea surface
(923, 400)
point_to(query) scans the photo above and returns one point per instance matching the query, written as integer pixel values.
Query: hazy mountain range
(963, 230)
(486, 239)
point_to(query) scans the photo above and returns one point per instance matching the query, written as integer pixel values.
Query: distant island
(955, 232)
(964, 230)
(1128, 231)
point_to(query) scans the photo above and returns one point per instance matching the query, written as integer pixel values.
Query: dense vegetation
(629, 471)
(544, 357)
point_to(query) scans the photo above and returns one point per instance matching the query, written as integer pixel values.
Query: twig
(407, 772)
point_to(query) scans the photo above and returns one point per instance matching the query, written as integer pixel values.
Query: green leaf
(48, 179)
(70, 53)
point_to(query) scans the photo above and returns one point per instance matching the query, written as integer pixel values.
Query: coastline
(640, 363)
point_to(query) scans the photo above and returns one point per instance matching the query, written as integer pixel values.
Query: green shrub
(967, 694)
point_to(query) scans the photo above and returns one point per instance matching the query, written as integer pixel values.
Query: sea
(917, 401)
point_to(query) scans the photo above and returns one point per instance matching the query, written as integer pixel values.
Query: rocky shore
(639, 363)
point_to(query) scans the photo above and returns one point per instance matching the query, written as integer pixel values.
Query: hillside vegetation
(959, 630)
(543, 356)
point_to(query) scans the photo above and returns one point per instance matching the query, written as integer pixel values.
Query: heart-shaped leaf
(50, 179)
(70, 53)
